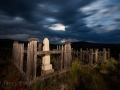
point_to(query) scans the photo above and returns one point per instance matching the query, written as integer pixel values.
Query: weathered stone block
(47, 67)
(46, 59)
(47, 72)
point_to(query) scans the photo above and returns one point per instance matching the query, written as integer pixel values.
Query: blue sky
(61, 20)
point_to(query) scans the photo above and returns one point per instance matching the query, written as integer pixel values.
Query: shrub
(74, 73)
(83, 77)
(106, 66)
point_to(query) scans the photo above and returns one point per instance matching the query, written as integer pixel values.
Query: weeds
(81, 77)
(77, 78)
(38, 86)
(106, 66)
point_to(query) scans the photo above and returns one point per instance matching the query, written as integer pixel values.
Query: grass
(106, 66)
(83, 77)
(38, 86)
(77, 78)
(113, 74)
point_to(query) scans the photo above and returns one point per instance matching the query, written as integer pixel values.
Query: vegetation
(105, 75)
(83, 77)
(106, 66)
(79, 78)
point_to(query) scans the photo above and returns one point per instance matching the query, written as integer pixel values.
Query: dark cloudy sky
(61, 20)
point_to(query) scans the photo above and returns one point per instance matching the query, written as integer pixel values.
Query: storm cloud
(61, 20)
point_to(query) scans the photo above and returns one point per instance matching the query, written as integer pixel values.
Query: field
(105, 75)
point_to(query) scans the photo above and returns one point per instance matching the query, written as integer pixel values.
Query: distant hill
(115, 48)
(94, 45)
(8, 43)
(75, 45)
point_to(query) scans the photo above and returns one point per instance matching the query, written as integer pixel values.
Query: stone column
(46, 66)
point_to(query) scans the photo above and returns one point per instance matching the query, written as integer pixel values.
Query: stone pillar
(46, 66)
